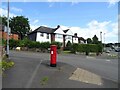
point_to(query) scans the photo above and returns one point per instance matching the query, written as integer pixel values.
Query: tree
(82, 39)
(95, 39)
(3, 20)
(19, 25)
(89, 41)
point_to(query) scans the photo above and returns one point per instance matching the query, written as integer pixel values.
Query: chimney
(75, 34)
(58, 26)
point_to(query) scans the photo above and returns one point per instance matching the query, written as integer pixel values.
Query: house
(47, 34)
(3, 33)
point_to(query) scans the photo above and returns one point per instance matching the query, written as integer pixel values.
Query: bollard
(53, 52)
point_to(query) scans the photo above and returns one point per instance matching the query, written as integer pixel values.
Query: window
(59, 36)
(47, 36)
(68, 37)
(41, 34)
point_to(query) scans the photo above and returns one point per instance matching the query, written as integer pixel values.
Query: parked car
(107, 51)
(117, 49)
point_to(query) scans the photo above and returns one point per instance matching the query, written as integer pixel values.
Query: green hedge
(58, 44)
(97, 48)
(32, 44)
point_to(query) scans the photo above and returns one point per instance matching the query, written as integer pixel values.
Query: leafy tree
(19, 25)
(89, 41)
(3, 20)
(95, 39)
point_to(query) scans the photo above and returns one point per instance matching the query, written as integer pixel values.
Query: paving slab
(86, 76)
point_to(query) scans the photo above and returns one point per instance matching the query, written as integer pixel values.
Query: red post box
(53, 52)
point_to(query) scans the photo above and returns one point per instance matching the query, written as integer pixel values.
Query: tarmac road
(29, 67)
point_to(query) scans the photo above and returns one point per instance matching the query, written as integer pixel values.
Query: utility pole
(101, 36)
(101, 40)
(104, 41)
(7, 52)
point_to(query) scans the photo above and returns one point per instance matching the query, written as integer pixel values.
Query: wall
(32, 36)
(68, 38)
(75, 40)
(12, 36)
(59, 38)
(44, 38)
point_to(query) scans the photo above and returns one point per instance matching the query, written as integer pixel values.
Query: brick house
(3, 33)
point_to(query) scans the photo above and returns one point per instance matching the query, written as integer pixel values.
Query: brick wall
(12, 36)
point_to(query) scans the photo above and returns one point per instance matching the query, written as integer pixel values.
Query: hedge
(32, 44)
(97, 48)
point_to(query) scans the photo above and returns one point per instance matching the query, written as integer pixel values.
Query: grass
(44, 80)
(4, 64)
(66, 52)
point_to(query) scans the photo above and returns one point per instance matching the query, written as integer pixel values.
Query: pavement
(31, 70)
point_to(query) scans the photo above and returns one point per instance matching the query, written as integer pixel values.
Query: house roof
(65, 30)
(44, 29)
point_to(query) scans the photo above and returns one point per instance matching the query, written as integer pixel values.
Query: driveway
(31, 68)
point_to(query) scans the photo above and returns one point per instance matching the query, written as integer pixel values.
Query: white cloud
(33, 27)
(112, 2)
(16, 9)
(94, 28)
(4, 13)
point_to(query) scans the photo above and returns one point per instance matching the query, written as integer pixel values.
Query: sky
(84, 18)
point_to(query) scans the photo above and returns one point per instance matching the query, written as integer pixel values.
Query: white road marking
(33, 75)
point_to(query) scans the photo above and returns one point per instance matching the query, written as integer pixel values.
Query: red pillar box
(53, 53)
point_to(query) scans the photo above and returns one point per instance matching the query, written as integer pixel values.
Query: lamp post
(104, 40)
(101, 40)
(101, 36)
(7, 52)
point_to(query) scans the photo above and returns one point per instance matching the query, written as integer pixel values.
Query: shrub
(44, 45)
(58, 44)
(25, 42)
(6, 64)
(86, 48)
(68, 46)
(13, 43)
(74, 48)
(2, 42)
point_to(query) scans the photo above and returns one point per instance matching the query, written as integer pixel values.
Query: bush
(2, 42)
(45, 45)
(6, 64)
(58, 44)
(68, 46)
(74, 48)
(13, 43)
(87, 48)
(25, 42)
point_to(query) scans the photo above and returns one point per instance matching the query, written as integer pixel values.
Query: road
(106, 68)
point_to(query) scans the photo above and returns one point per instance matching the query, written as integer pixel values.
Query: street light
(7, 52)
(101, 36)
(104, 40)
